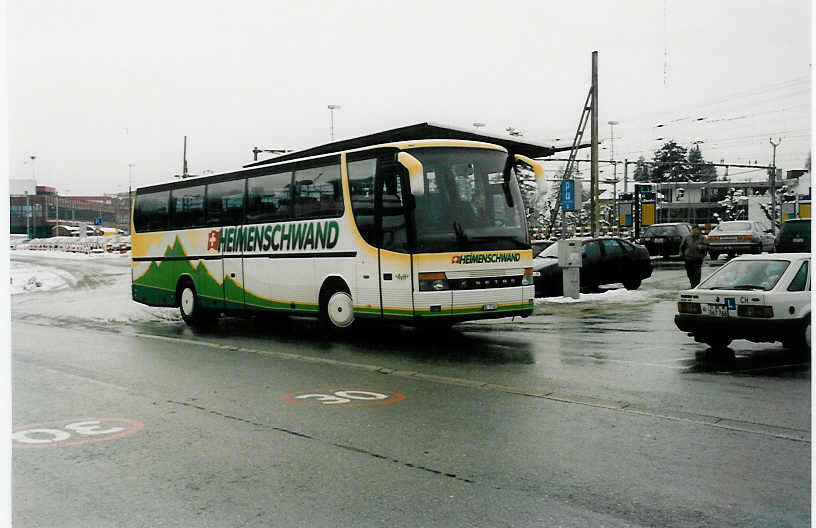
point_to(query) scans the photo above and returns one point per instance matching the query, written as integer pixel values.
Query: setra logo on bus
(277, 237)
(483, 258)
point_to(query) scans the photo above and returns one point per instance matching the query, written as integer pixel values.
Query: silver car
(738, 237)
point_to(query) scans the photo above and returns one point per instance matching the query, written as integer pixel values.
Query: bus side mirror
(415, 173)
(541, 183)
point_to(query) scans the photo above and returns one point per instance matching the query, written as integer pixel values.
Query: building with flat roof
(47, 210)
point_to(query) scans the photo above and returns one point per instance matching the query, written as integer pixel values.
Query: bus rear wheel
(339, 310)
(189, 305)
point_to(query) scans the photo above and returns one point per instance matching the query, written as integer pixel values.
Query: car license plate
(717, 310)
(798, 239)
(490, 307)
(658, 240)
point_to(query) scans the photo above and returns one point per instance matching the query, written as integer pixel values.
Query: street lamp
(332, 108)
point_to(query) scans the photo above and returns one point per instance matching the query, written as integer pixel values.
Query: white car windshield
(746, 275)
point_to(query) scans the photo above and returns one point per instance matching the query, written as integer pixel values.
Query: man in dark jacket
(693, 248)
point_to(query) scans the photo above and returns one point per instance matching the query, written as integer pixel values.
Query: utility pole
(614, 168)
(773, 183)
(130, 191)
(595, 205)
(27, 214)
(625, 175)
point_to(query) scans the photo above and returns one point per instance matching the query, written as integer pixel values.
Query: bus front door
(396, 281)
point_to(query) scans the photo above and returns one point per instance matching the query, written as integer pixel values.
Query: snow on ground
(92, 293)
(618, 295)
(27, 276)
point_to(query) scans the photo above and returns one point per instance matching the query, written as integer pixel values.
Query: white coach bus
(418, 224)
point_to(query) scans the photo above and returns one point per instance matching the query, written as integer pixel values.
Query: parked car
(761, 298)
(738, 237)
(794, 237)
(540, 245)
(605, 260)
(663, 240)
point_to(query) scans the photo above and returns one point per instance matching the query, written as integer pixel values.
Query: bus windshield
(467, 205)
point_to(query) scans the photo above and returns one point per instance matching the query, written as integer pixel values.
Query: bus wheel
(190, 308)
(339, 310)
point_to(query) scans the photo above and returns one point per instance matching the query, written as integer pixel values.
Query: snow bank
(69, 255)
(613, 296)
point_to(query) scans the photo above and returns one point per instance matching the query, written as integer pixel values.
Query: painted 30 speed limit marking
(342, 397)
(73, 432)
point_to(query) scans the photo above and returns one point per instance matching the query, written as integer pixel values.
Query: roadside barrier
(88, 246)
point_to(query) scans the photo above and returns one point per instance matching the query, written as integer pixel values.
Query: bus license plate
(798, 240)
(717, 310)
(490, 307)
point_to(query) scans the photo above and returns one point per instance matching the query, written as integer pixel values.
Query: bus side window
(188, 207)
(318, 192)
(225, 202)
(361, 188)
(151, 211)
(268, 197)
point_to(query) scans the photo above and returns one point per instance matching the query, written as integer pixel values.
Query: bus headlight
(527, 279)
(433, 282)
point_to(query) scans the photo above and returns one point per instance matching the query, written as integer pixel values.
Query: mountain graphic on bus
(158, 283)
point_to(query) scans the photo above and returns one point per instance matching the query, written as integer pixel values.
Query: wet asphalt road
(596, 413)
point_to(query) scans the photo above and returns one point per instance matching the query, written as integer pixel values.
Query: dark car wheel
(632, 283)
(718, 344)
(714, 255)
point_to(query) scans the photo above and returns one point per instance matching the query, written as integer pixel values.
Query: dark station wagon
(794, 237)
(663, 240)
(605, 260)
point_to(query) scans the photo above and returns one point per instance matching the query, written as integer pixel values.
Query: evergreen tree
(641, 173)
(671, 164)
(699, 169)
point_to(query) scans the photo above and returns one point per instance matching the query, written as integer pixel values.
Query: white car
(738, 237)
(761, 298)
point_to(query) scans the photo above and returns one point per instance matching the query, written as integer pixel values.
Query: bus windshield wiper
(461, 237)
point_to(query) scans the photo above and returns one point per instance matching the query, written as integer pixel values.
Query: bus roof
(413, 133)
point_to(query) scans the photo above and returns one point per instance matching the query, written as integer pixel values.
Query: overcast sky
(95, 85)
